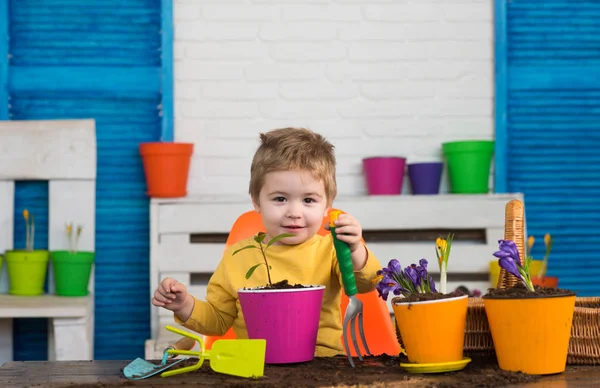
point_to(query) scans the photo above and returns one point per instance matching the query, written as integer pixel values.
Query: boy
(292, 186)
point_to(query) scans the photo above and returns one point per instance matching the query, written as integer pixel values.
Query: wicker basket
(584, 346)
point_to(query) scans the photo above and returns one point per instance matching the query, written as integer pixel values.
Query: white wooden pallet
(174, 220)
(62, 152)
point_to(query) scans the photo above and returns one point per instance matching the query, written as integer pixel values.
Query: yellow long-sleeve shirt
(312, 262)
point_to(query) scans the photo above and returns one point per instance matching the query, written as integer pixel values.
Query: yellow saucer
(439, 367)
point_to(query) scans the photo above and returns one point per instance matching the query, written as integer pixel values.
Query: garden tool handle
(344, 256)
(184, 344)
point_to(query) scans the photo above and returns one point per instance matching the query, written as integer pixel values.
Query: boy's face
(291, 202)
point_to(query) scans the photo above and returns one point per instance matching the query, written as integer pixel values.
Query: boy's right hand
(173, 296)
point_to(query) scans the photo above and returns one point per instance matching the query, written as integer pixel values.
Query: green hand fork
(354, 311)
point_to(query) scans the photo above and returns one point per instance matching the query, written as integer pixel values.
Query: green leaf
(259, 238)
(246, 247)
(251, 270)
(277, 238)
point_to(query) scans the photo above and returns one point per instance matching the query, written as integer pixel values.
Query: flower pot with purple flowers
(530, 325)
(419, 309)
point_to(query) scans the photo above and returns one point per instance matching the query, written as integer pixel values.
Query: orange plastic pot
(546, 281)
(531, 334)
(433, 331)
(166, 166)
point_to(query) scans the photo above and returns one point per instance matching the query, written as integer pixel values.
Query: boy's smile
(291, 202)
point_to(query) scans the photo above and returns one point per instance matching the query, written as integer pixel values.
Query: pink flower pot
(384, 175)
(288, 319)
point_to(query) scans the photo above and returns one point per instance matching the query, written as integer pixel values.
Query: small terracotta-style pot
(546, 281)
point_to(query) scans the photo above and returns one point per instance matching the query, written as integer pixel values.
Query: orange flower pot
(166, 166)
(531, 335)
(433, 331)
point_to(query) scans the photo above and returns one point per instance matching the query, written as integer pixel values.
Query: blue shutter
(549, 117)
(97, 59)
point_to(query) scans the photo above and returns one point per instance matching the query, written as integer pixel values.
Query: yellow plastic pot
(531, 335)
(433, 331)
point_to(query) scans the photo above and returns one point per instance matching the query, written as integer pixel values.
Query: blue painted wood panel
(99, 59)
(551, 52)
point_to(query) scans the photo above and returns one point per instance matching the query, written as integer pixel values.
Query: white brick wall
(377, 77)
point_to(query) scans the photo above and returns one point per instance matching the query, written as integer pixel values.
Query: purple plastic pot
(425, 177)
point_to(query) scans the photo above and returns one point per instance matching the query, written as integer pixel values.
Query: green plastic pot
(72, 272)
(469, 165)
(26, 271)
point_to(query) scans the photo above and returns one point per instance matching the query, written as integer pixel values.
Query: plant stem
(443, 277)
(266, 264)
(27, 235)
(32, 233)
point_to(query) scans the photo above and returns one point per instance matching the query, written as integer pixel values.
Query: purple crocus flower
(508, 257)
(432, 284)
(394, 267)
(412, 274)
(422, 269)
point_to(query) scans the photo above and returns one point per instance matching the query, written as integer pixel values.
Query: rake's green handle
(344, 256)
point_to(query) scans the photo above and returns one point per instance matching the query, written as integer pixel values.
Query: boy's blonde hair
(294, 149)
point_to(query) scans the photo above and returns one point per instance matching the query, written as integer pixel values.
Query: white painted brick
(463, 87)
(296, 110)
(441, 70)
(326, 13)
(200, 185)
(177, 3)
(178, 51)
(207, 108)
(400, 89)
(283, 72)
(412, 12)
(185, 11)
(308, 51)
(365, 72)
(290, 1)
(422, 11)
(246, 12)
(384, 51)
(239, 91)
(186, 90)
(373, 31)
(225, 148)
(318, 91)
(416, 107)
(206, 129)
(230, 167)
(298, 31)
(428, 127)
(480, 31)
(445, 31)
(219, 31)
(225, 50)
(193, 70)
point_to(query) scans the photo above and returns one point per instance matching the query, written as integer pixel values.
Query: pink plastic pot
(384, 175)
(288, 319)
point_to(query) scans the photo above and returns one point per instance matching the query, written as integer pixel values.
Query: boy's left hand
(348, 230)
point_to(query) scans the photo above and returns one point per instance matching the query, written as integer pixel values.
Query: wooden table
(318, 373)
